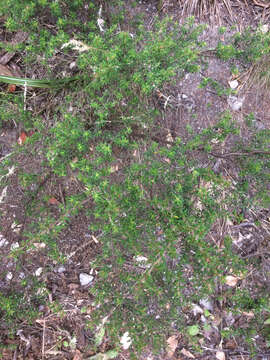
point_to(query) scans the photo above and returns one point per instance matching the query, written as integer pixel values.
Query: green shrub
(163, 204)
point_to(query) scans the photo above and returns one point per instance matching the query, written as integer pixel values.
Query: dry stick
(248, 153)
(43, 339)
(265, 6)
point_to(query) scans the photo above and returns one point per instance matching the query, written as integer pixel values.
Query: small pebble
(233, 84)
(86, 279)
(3, 241)
(9, 276)
(72, 65)
(61, 269)
(21, 275)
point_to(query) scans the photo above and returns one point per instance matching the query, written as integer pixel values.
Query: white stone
(61, 269)
(264, 28)
(14, 246)
(72, 65)
(197, 310)
(140, 258)
(9, 276)
(38, 271)
(3, 241)
(233, 84)
(235, 103)
(125, 340)
(206, 304)
(86, 279)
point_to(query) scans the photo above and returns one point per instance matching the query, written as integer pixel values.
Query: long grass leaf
(56, 83)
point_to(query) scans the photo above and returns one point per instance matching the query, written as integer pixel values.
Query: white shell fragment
(86, 279)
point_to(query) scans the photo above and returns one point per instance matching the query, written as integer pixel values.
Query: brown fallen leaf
(187, 353)
(172, 342)
(231, 280)
(230, 344)
(78, 355)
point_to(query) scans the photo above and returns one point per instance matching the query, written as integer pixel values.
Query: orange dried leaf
(53, 201)
(11, 88)
(22, 138)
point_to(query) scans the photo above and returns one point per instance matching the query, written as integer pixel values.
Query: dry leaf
(39, 245)
(169, 139)
(220, 355)
(53, 201)
(5, 71)
(11, 88)
(231, 280)
(22, 138)
(114, 168)
(172, 342)
(249, 314)
(76, 45)
(230, 344)
(78, 355)
(187, 353)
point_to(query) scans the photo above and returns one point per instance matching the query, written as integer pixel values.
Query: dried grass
(211, 8)
(205, 8)
(259, 74)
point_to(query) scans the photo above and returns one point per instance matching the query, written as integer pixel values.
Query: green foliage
(164, 203)
(226, 51)
(252, 45)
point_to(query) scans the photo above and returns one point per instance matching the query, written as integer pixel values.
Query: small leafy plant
(154, 210)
